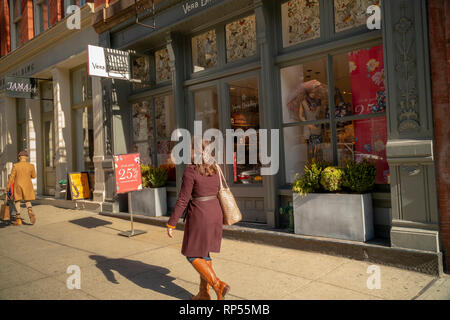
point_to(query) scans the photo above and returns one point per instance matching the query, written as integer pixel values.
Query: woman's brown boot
(203, 293)
(206, 272)
(31, 215)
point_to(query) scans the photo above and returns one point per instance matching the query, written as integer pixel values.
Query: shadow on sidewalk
(144, 275)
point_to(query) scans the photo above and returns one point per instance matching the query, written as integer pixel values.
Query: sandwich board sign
(127, 169)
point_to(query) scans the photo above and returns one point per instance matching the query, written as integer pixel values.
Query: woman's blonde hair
(208, 165)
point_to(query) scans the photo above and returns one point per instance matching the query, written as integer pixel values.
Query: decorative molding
(406, 68)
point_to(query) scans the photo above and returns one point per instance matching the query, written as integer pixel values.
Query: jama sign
(19, 87)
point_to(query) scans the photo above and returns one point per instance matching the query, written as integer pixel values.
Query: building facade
(56, 127)
(339, 79)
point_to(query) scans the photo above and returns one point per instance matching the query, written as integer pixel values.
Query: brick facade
(57, 13)
(439, 29)
(5, 38)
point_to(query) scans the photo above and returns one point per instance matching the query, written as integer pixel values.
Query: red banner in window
(368, 95)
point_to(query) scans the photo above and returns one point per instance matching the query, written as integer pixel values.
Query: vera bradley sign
(191, 6)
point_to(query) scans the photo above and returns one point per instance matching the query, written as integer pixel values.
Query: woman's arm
(183, 197)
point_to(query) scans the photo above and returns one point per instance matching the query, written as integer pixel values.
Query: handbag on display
(230, 209)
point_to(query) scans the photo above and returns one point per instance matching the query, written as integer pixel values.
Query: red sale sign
(128, 172)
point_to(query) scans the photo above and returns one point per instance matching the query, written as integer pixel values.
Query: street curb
(414, 260)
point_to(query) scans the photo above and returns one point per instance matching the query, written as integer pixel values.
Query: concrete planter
(151, 202)
(341, 216)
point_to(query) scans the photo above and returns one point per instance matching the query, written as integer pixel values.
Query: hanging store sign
(109, 63)
(19, 87)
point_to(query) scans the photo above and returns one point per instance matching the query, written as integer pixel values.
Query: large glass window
(204, 51)
(304, 90)
(82, 123)
(357, 128)
(300, 21)
(81, 86)
(153, 123)
(42, 15)
(360, 94)
(16, 19)
(241, 38)
(21, 124)
(163, 71)
(207, 108)
(244, 108)
(140, 66)
(349, 14)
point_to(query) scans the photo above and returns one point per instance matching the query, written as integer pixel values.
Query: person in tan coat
(21, 176)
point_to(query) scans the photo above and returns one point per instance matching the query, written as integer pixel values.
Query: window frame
(332, 49)
(38, 12)
(151, 95)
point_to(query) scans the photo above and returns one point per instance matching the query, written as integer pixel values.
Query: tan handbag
(230, 209)
(5, 214)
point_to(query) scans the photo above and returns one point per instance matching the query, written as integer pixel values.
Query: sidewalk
(34, 260)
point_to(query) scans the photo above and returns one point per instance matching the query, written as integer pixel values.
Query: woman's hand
(170, 232)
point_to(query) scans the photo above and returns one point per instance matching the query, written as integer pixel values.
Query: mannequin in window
(311, 108)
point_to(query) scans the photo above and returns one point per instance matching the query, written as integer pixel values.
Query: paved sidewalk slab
(34, 261)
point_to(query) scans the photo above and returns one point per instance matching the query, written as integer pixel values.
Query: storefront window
(206, 108)
(81, 86)
(204, 51)
(141, 71)
(360, 91)
(153, 123)
(300, 21)
(21, 124)
(82, 121)
(350, 14)
(359, 119)
(244, 108)
(241, 38)
(84, 139)
(143, 130)
(304, 91)
(163, 72)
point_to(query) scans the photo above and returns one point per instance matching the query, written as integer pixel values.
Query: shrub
(310, 180)
(332, 178)
(359, 177)
(153, 177)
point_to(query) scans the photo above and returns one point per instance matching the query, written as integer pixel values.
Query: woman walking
(203, 228)
(21, 176)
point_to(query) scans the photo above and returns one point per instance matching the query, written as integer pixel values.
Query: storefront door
(233, 103)
(48, 138)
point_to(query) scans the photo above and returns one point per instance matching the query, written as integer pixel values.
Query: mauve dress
(203, 228)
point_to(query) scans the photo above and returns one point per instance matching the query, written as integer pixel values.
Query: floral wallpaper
(141, 71)
(350, 14)
(204, 51)
(300, 20)
(163, 72)
(241, 38)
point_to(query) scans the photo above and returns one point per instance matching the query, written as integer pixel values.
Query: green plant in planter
(359, 177)
(331, 179)
(153, 177)
(310, 180)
